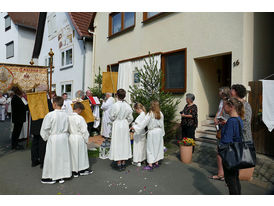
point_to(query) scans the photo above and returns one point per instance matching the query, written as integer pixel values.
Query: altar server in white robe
(139, 143)
(67, 104)
(121, 116)
(78, 140)
(55, 130)
(154, 120)
(3, 102)
(106, 122)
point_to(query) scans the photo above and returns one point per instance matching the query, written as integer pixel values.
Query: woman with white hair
(189, 121)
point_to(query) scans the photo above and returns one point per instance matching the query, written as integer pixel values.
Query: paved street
(172, 178)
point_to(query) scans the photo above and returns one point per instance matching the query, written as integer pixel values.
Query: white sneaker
(61, 181)
(48, 182)
(87, 172)
(139, 164)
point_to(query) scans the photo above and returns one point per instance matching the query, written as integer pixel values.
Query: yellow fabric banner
(38, 105)
(109, 82)
(87, 113)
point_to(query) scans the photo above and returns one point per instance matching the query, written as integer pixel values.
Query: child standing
(231, 132)
(121, 116)
(54, 130)
(78, 140)
(154, 120)
(139, 143)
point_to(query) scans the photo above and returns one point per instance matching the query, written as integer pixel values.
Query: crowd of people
(59, 143)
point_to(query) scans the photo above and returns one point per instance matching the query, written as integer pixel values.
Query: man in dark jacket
(38, 147)
(18, 109)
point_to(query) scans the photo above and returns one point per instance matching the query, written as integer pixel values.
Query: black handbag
(238, 155)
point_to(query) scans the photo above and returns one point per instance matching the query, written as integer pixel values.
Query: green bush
(149, 89)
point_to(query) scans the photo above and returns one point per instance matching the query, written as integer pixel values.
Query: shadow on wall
(263, 61)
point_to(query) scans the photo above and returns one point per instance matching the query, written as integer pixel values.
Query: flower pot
(186, 154)
(246, 174)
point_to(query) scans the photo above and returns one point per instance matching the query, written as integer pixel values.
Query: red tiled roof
(26, 19)
(82, 22)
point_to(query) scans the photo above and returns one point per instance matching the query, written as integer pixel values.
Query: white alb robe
(106, 126)
(2, 107)
(67, 106)
(55, 130)
(155, 141)
(139, 143)
(121, 116)
(78, 140)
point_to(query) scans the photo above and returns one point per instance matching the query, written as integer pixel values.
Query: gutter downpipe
(84, 64)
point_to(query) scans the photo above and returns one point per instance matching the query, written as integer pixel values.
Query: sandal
(216, 177)
(148, 168)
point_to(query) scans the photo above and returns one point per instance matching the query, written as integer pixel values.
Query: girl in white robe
(106, 107)
(78, 140)
(55, 130)
(121, 116)
(139, 143)
(154, 120)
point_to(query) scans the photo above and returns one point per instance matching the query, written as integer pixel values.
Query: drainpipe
(84, 64)
(93, 58)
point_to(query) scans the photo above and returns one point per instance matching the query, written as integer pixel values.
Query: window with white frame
(10, 49)
(66, 58)
(7, 23)
(66, 87)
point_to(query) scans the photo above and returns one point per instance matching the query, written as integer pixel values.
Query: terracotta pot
(186, 154)
(246, 174)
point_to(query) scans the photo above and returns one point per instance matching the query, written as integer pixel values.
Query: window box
(66, 58)
(121, 22)
(10, 50)
(174, 67)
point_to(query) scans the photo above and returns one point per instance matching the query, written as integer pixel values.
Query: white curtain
(126, 70)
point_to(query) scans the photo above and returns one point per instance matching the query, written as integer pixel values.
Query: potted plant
(186, 147)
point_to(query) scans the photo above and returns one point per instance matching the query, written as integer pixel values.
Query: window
(7, 23)
(66, 58)
(66, 87)
(114, 67)
(151, 15)
(10, 49)
(174, 68)
(119, 22)
(47, 63)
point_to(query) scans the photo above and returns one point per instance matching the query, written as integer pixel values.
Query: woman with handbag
(220, 119)
(231, 133)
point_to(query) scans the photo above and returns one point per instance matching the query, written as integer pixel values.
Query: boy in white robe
(78, 140)
(55, 130)
(106, 107)
(139, 143)
(121, 116)
(154, 120)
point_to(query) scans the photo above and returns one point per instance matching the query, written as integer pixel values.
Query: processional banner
(87, 113)
(25, 76)
(38, 105)
(109, 82)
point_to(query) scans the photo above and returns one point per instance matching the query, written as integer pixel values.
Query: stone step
(208, 127)
(206, 140)
(208, 122)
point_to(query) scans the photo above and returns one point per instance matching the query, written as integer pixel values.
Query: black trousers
(188, 132)
(16, 133)
(91, 129)
(232, 181)
(38, 149)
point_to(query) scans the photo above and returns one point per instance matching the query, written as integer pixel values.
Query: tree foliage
(150, 88)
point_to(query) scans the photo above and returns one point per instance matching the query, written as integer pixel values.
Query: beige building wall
(203, 34)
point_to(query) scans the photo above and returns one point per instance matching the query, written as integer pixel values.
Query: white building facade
(16, 41)
(72, 58)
